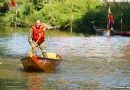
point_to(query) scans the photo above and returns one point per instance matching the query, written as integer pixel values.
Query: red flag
(12, 3)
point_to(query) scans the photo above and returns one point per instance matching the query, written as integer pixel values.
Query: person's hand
(44, 29)
(33, 46)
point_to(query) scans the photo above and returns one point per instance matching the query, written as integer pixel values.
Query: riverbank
(57, 14)
(68, 15)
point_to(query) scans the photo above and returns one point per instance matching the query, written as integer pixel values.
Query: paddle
(34, 46)
(35, 43)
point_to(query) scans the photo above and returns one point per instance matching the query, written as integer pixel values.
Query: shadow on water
(90, 63)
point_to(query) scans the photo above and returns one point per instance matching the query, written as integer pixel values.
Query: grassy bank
(66, 14)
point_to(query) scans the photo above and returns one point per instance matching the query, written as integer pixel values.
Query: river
(89, 63)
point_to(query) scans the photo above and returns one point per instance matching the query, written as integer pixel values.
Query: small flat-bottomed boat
(34, 63)
(121, 33)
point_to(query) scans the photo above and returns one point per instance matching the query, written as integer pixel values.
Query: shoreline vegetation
(66, 15)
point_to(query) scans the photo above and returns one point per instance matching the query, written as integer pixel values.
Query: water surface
(89, 63)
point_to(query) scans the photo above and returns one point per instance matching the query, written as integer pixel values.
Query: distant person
(110, 21)
(12, 3)
(37, 36)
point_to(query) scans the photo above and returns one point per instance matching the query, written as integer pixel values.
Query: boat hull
(121, 33)
(40, 64)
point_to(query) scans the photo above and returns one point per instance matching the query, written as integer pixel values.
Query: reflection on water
(90, 63)
(35, 82)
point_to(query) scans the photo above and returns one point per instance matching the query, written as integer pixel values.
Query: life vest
(38, 33)
(111, 18)
(12, 3)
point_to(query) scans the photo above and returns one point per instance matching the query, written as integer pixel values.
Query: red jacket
(111, 18)
(38, 33)
(12, 3)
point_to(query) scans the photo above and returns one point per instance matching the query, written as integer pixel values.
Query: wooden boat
(121, 33)
(35, 63)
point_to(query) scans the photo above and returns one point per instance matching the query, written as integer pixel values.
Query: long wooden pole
(16, 12)
(121, 22)
(72, 18)
(50, 6)
(121, 29)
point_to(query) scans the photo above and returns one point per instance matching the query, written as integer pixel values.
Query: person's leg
(42, 48)
(108, 25)
(111, 27)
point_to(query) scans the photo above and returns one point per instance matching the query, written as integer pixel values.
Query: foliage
(79, 14)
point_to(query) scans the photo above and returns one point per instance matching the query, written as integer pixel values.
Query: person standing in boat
(110, 20)
(37, 36)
